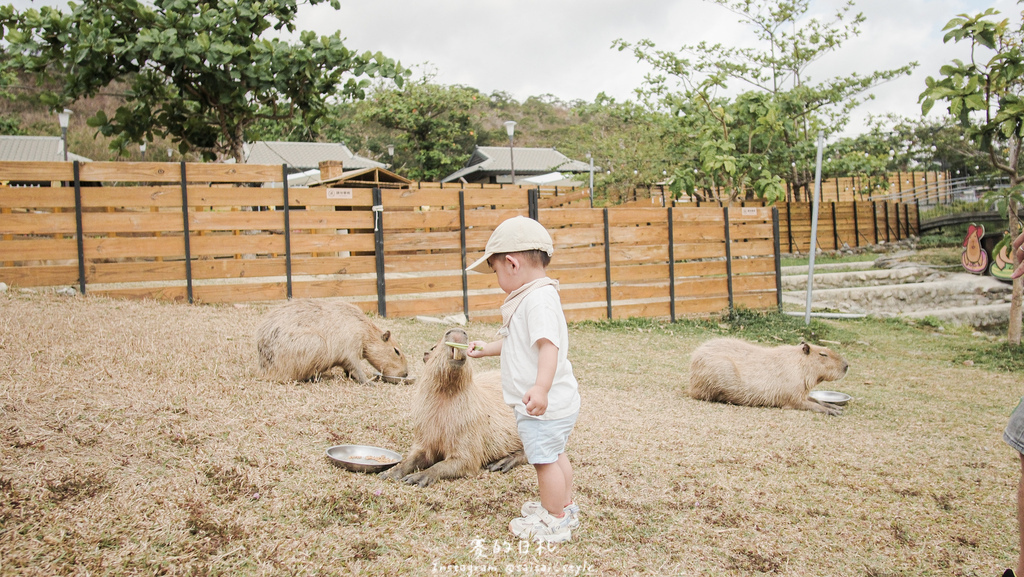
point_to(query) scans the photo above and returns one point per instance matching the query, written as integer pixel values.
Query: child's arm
(479, 349)
(536, 399)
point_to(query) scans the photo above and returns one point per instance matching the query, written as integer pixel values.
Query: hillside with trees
(713, 122)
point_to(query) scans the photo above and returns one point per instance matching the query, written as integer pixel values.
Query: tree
(199, 72)
(431, 126)
(984, 95)
(768, 133)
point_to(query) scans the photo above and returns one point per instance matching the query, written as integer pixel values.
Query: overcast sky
(563, 47)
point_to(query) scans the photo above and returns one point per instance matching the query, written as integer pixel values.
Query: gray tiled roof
(304, 155)
(528, 160)
(35, 148)
(494, 160)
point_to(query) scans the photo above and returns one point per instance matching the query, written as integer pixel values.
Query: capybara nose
(456, 336)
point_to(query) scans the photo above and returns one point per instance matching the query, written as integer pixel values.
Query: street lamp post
(64, 118)
(510, 128)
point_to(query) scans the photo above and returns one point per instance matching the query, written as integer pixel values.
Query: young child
(536, 375)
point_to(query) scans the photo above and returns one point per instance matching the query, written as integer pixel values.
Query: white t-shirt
(538, 316)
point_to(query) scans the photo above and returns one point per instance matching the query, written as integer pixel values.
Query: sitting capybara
(735, 371)
(461, 422)
(305, 338)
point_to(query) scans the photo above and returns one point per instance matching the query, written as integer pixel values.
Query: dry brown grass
(137, 439)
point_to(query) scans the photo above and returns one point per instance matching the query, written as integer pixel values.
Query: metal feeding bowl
(363, 458)
(830, 397)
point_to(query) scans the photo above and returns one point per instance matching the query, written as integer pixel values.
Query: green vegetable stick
(457, 345)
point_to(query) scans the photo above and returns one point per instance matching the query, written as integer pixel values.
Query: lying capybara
(460, 421)
(735, 371)
(305, 338)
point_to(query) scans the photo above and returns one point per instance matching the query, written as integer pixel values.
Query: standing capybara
(742, 373)
(460, 422)
(305, 338)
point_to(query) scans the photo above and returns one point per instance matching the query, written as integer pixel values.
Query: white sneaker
(572, 510)
(541, 527)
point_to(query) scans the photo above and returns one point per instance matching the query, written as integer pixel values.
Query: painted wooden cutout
(1002, 260)
(974, 258)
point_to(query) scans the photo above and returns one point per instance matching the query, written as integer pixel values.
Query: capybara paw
(506, 464)
(834, 410)
(421, 479)
(394, 473)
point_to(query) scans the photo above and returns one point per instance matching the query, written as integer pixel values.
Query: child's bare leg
(552, 483)
(566, 467)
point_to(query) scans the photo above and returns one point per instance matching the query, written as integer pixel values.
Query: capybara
(304, 338)
(460, 421)
(735, 371)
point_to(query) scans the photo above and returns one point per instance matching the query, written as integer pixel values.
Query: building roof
(304, 155)
(361, 177)
(497, 160)
(35, 148)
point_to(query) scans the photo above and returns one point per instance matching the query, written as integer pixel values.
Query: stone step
(828, 267)
(872, 277)
(958, 290)
(977, 316)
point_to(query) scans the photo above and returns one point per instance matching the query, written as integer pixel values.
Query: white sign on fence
(339, 193)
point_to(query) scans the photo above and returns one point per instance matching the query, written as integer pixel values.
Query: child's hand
(476, 349)
(1018, 252)
(536, 400)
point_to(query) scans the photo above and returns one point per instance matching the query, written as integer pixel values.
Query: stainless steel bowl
(355, 458)
(830, 397)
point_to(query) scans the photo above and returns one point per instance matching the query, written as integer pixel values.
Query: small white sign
(748, 211)
(339, 193)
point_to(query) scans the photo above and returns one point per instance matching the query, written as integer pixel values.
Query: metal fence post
(607, 264)
(185, 233)
(874, 218)
(378, 250)
(728, 257)
(79, 229)
(462, 244)
(835, 228)
(533, 200)
(856, 226)
(287, 235)
(671, 268)
(789, 226)
(778, 257)
(888, 229)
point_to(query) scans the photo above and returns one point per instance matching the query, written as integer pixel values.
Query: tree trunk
(1013, 332)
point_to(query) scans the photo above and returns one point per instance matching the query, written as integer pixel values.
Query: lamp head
(510, 127)
(64, 118)
(391, 150)
(142, 147)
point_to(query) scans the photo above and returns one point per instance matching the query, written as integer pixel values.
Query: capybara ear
(807, 348)
(384, 337)
(426, 353)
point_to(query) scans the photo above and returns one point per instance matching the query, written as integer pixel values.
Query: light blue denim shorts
(543, 440)
(1014, 433)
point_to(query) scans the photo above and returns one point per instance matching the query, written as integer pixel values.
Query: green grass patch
(761, 326)
(829, 259)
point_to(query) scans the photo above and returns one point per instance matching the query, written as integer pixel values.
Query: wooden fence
(222, 233)
(926, 185)
(846, 223)
(849, 223)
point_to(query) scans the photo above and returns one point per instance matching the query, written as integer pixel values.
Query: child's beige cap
(516, 234)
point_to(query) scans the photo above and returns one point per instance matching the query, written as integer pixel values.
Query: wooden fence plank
(38, 249)
(44, 275)
(36, 171)
(37, 197)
